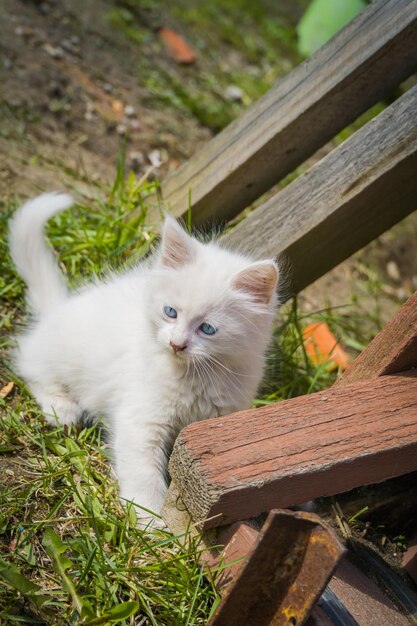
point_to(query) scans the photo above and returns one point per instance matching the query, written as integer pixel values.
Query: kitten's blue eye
(207, 329)
(170, 312)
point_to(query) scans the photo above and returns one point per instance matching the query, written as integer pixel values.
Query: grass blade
(55, 549)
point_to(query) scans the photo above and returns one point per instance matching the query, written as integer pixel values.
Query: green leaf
(11, 574)
(55, 549)
(322, 20)
(119, 612)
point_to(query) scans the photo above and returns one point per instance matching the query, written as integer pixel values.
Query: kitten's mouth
(181, 356)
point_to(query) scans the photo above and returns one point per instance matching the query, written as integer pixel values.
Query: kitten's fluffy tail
(33, 258)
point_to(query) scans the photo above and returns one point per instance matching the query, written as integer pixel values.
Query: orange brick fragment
(179, 49)
(322, 346)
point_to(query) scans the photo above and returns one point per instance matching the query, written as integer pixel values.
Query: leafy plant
(322, 20)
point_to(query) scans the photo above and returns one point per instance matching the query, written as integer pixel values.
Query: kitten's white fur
(106, 348)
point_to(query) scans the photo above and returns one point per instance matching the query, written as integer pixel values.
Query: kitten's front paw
(56, 405)
(147, 507)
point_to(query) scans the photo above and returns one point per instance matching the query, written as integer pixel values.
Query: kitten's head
(208, 302)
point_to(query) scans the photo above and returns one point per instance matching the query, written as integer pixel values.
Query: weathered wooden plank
(347, 199)
(365, 601)
(358, 67)
(240, 465)
(284, 573)
(393, 350)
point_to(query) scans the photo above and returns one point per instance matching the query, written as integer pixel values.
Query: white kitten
(179, 339)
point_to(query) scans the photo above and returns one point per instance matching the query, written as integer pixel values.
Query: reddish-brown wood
(284, 572)
(393, 350)
(240, 465)
(367, 604)
(232, 544)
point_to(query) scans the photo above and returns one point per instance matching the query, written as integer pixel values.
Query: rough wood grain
(393, 350)
(358, 67)
(351, 196)
(364, 600)
(238, 466)
(286, 569)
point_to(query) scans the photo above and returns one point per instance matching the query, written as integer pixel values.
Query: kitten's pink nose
(176, 347)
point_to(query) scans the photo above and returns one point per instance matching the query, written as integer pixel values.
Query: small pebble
(90, 112)
(155, 158)
(129, 110)
(393, 271)
(23, 31)
(54, 51)
(234, 93)
(121, 129)
(134, 124)
(67, 45)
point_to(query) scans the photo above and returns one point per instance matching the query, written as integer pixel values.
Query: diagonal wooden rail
(354, 194)
(361, 65)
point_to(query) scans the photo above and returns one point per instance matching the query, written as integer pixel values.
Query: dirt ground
(71, 96)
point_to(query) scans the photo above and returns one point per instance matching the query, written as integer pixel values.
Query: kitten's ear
(177, 248)
(259, 280)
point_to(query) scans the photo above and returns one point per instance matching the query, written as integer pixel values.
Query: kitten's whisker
(220, 364)
(231, 380)
(208, 373)
(202, 364)
(231, 376)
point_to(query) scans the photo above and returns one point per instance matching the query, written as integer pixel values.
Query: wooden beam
(284, 573)
(297, 450)
(354, 70)
(352, 598)
(393, 350)
(350, 197)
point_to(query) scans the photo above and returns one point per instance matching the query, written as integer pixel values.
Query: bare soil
(70, 97)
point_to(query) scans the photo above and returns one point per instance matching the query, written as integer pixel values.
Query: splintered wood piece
(284, 573)
(300, 113)
(393, 350)
(359, 190)
(238, 466)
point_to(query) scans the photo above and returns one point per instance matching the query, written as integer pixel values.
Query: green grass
(264, 45)
(70, 552)
(59, 482)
